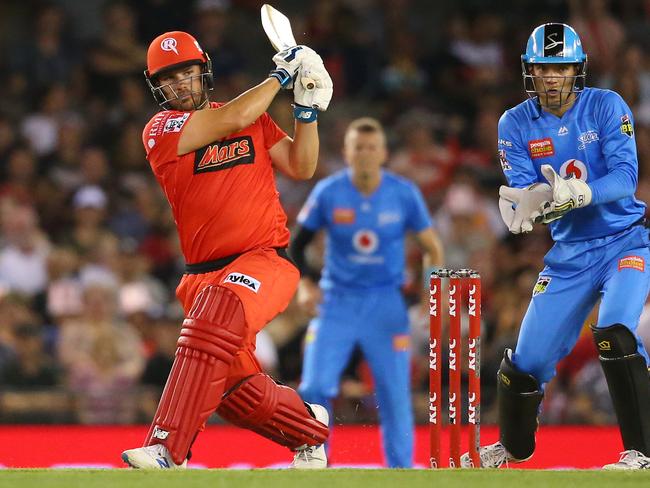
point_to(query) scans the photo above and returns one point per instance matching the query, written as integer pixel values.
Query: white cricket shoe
(312, 457)
(151, 457)
(492, 456)
(630, 460)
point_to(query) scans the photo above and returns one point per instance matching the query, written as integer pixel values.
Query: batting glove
(288, 62)
(320, 95)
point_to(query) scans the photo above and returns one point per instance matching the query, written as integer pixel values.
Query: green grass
(337, 478)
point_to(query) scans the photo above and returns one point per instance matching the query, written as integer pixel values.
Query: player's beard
(190, 101)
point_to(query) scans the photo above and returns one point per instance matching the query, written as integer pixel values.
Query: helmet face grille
(199, 98)
(553, 43)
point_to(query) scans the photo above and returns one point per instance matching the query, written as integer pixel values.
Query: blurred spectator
(32, 366)
(118, 52)
(600, 32)
(23, 254)
(421, 158)
(211, 20)
(20, 179)
(42, 128)
(64, 293)
(103, 357)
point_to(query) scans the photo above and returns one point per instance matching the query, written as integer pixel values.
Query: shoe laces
(306, 453)
(632, 456)
(495, 456)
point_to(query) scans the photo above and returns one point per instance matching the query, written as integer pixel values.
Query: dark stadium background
(88, 253)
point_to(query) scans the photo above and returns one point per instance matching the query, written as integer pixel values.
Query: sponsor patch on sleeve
(176, 123)
(626, 126)
(541, 148)
(632, 262)
(541, 285)
(343, 216)
(503, 159)
(401, 342)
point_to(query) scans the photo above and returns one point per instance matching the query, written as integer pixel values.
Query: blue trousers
(613, 269)
(377, 322)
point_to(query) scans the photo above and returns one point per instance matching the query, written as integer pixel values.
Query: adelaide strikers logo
(365, 241)
(575, 168)
(169, 44)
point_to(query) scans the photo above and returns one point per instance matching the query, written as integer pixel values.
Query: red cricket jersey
(223, 196)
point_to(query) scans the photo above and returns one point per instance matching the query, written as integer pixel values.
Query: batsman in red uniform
(215, 162)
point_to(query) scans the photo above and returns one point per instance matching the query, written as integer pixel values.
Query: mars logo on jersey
(365, 241)
(575, 168)
(541, 148)
(225, 154)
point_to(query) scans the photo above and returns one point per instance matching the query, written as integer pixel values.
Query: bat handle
(308, 83)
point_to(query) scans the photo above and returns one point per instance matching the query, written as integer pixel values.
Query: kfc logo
(169, 44)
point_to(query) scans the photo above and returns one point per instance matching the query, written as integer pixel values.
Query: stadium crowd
(88, 252)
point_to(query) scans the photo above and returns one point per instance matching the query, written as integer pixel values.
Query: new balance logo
(243, 280)
(158, 433)
(162, 462)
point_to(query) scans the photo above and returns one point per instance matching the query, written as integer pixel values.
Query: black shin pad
(629, 384)
(519, 396)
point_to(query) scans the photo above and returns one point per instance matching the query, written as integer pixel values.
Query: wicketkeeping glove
(519, 205)
(568, 194)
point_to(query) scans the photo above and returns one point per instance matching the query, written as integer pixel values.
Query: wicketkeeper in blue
(366, 213)
(569, 155)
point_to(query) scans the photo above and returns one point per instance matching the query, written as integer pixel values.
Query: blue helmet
(554, 43)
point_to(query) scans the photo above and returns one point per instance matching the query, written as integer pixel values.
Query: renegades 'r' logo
(224, 154)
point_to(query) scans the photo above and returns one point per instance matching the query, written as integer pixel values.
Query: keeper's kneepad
(628, 381)
(274, 411)
(519, 396)
(212, 333)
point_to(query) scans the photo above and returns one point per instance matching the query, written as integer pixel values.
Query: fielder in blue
(366, 213)
(569, 155)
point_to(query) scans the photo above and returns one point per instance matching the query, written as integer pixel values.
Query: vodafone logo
(365, 241)
(169, 44)
(574, 167)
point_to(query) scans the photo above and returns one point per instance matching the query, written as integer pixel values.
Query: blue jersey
(365, 233)
(593, 141)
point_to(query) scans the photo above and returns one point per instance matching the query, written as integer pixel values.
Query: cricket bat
(278, 29)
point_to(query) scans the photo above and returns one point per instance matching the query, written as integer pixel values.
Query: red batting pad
(273, 411)
(212, 333)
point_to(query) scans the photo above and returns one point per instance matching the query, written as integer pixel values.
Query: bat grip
(308, 83)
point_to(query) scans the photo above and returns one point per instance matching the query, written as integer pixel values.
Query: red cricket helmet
(173, 50)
